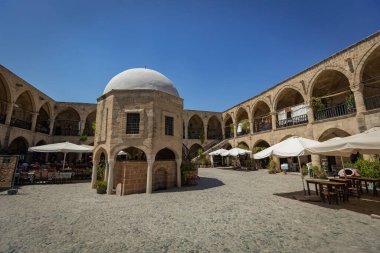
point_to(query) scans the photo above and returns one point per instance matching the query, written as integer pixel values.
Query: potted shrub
(101, 187)
(272, 167)
(189, 173)
(350, 101)
(316, 104)
(368, 168)
(319, 172)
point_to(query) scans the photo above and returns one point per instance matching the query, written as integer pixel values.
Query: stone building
(338, 96)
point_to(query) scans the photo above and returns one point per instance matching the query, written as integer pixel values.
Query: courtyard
(229, 211)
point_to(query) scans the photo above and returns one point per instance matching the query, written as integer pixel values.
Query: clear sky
(218, 53)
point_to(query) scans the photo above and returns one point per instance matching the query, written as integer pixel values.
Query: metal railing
(214, 134)
(372, 102)
(261, 124)
(194, 133)
(21, 123)
(42, 127)
(243, 132)
(332, 112)
(292, 121)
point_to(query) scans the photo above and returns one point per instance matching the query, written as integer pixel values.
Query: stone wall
(135, 176)
(164, 175)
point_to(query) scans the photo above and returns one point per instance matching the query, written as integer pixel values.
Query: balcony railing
(213, 134)
(372, 102)
(243, 132)
(261, 124)
(42, 127)
(21, 123)
(332, 112)
(292, 121)
(194, 133)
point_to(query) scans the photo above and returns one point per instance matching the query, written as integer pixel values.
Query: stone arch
(90, 122)
(41, 142)
(131, 154)
(332, 88)
(242, 121)
(261, 143)
(227, 146)
(332, 133)
(97, 156)
(193, 150)
(362, 62)
(257, 147)
(262, 118)
(195, 127)
(214, 128)
(164, 170)
(286, 137)
(243, 145)
(23, 110)
(44, 118)
(5, 99)
(370, 79)
(317, 74)
(19, 146)
(228, 126)
(290, 107)
(67, 122)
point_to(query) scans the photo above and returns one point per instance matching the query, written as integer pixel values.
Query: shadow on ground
(204, 183)
(367, 204)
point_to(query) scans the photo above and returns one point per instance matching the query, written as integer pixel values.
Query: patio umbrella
(64, 147)
(367, 142)
(218, 152)
(291, 147)
(236, 152)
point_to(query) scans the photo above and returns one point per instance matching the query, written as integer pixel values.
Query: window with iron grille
(169, 125)
(133, 123)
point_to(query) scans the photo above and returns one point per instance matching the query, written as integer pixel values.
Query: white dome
(141, 78)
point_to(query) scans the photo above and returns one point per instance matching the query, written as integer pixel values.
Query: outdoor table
(315, 182)
(366, 180)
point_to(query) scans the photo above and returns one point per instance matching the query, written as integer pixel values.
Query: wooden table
(315, 182)
(366, 180)
(322, 182)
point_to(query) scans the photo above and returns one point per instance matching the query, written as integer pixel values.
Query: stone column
(186, 131)
(251, 125)
(149, 176)
(235, 130)
(111, 164)
(310, 114)
(82, 126)
(106, 170)
(94, 173)
(223, 131)
(205, 131)
(51, 126)
(359, 100)
(274, 120)
(178, 162)
(316, 160)
(277, 161)
(34, 121)
(9, 113)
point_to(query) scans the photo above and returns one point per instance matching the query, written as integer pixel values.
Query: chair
(354, 188)
(329, 193)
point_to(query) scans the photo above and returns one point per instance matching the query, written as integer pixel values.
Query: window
(133, 123)
(169, 125)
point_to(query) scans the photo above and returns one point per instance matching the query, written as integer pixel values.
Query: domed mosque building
(139, 132)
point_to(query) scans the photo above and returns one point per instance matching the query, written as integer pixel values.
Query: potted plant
(350, 101)
(316, 104)
(101, 187)
(319, 172)
(272, 167)
(189, 173)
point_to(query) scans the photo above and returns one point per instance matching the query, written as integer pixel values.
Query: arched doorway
(67, 123)
(371, 80)
(214, 129)
(164, 170)
(130, 170)
(19, 146)
(259, 146)
(23, 111)
(43, 119)
(89, 128)
(331, 95)
(262, 120)
(242, 122)
(243, 145)
(195, 128)
(194, 150)
(4, 101)
(228, 127)
(333, 163)
(290, 108)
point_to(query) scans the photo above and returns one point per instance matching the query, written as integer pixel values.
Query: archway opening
(334, 163)
(242, 120)
(214, 129)
(371, 80)
(259, 146)
(89, 128)
(243, 145)
(229, 127)
(165, 154)
(4, 100)
(67, 123)
(262, 120)
(195, 128)
(19, 146)
(331, 96)
(164, 170)
(290, 109)
(43, 120)
(23, 112)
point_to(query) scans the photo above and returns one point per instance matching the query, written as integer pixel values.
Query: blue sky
(218, 53)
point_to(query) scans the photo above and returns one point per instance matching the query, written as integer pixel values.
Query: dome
(141, 78)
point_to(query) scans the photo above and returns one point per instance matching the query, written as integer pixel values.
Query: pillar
(277, 161)
(82, 124)
(205, 131)
(274, 120)
(359, 100)
(149, 176)
(9, 113)
(251, 126)
(106, 170)
(34, 121)
(310, 114)
(316, 160)
(223, 131)
(235, 130)
(178, 162)
(51, 126)
(94, 173)
(186, 131)
(111, 164)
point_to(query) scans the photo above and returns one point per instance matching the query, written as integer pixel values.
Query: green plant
(272, 166)
(202, 137)
(319, 172)
(242, 146)
(257, 149)
(368, 168)
(304, 170)
(316, 104)
(83, 137)
(245, 125)
(100, 170)
(93, 126)
(101, 187)
(350, 101)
